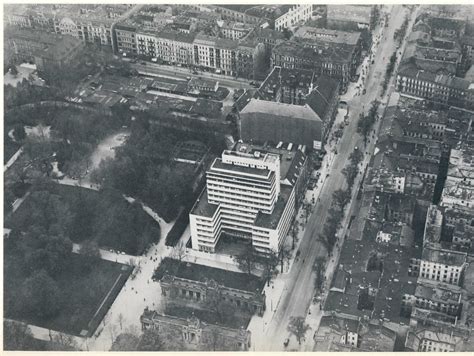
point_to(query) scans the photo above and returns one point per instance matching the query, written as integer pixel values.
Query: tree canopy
(41, 295)
(298, 327)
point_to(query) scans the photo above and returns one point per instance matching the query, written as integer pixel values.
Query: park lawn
(83, 287)
(107, 240)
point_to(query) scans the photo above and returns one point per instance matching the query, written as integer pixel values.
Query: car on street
(143, 63)
(188, 78)
(286, 342)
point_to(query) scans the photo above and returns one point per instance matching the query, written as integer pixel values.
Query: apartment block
(459, 186)
(441, 88)
(442, 265)
(335, 61)
(47, 50)
(294, 16)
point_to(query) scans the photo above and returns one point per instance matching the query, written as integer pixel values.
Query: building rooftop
(270, 221)
(438, 293)
(323, 93)
(376, 338)
(326, 35)
(291, 161)
(460, 338)
(279, 78)
(447, 257)
(196, 318)
(54, 46)
(177, 36)
(202, 207)
(375, 268)
(203, 82)
(352, 13)
(281, 109)
(411, 70)
(201, 273)
(302, 49)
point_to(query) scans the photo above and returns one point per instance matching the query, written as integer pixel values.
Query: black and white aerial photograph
(238, 177)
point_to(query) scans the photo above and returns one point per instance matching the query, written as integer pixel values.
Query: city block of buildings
(251, 193)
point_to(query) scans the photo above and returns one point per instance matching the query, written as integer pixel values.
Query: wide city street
(297, 296)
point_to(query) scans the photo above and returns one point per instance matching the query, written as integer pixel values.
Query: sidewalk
(137, 293)
(13, 159)
(111, 256)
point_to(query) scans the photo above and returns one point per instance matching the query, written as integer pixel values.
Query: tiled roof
(325, 89)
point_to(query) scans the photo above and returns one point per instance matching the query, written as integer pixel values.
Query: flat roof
(270, 221)
(202, 206)
(448, 257)
(437, 293)
(290, 160)
(218, 164)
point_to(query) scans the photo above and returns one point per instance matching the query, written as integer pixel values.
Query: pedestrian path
(111, 256)
(13, 159)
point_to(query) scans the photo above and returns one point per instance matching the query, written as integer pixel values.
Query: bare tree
(216, 304)
(216, 340)
(341, 197)
(298, 327)
(63, 342)
(285, 254)
(179, 251)
(247, 260)
(270, 262)
(120, 320)
(319, 269)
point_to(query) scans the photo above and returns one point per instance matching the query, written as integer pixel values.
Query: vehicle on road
(195, 71)
(188, 78)
(356, 148)
(143, 63)
(286, 342)
(364, 91)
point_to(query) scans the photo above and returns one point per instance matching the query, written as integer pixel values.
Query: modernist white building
(247, 197)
